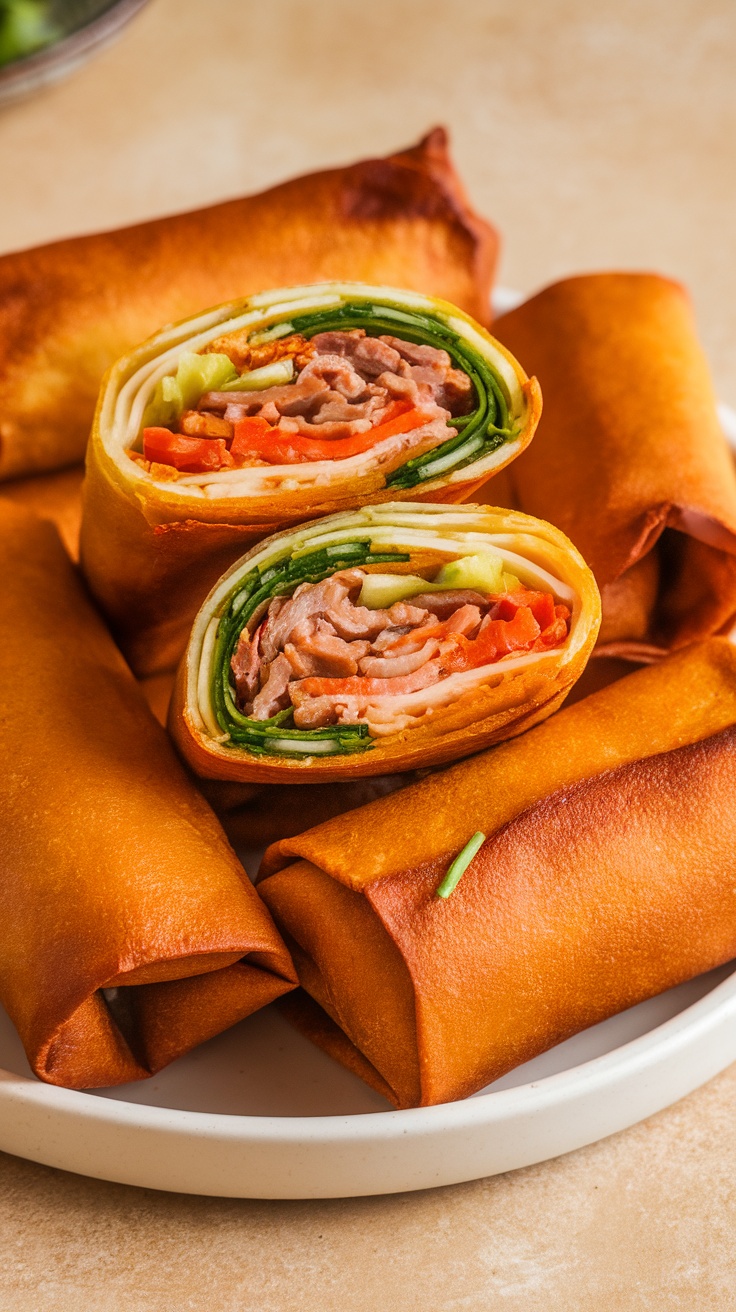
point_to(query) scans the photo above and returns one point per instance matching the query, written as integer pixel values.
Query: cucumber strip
(406, 477)
(334, 748)
(442, 463)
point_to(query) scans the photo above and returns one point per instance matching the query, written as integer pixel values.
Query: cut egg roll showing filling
(265, 411)
(393, 637)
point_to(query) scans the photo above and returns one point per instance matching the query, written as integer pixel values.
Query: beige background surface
(595, 133)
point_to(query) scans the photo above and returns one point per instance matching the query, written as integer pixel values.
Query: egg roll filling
(414, 392)
(331, 641)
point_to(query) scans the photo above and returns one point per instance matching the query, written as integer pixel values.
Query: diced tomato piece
(248, 436)
(364, 686)
(557, 631)
(511, 635)
(277, 447)
(541, 605)
(497, 638)
(190, 455)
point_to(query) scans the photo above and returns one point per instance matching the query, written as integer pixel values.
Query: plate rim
(634, 1056)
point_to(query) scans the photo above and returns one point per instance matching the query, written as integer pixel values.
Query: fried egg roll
(68, 310)
(268, 411)
(392, 638)
(130, 932)
(629, 459)
(605, 875)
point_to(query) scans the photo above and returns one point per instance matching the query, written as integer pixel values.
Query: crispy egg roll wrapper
(152, 545)
(130, 932)
(69, 309)
(56, 497)
(254, 816)
(607, 876)
(454, 717)
(630, 460)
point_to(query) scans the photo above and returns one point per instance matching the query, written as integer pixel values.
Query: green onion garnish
(460, 865)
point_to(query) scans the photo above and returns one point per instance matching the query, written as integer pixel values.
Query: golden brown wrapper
(115, 873)
(56, 497)
(253, 815)
(69, 309)
(629, 458)
(607, 876)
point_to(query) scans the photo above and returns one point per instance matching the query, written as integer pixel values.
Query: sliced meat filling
(337, 662)
(429, 369)
(351, 392)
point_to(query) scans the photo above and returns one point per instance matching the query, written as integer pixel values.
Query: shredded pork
(337, 662)
(347, 386)
(363, 392)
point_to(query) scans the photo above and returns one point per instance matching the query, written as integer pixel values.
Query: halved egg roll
(68, 310)
(130, 932)
(268, 411)
(391, 638)
(630, 459)
(603, 874)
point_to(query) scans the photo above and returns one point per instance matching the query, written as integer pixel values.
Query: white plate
(260, 1113)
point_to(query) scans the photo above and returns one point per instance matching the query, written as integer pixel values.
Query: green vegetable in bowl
(25, 26)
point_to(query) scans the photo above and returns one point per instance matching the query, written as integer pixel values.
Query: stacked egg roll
(268, 411)
(606, 875)
(69, 309)
(629, 459)
(130, 932)
(392, 638)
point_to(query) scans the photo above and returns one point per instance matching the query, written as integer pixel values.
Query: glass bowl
(77, 30)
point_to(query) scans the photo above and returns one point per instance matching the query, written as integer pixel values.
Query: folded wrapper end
(174, 1017)
(333, 935)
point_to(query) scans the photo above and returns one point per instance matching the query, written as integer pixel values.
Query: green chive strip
(490, 420)
(272, 737)
(460, 865)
